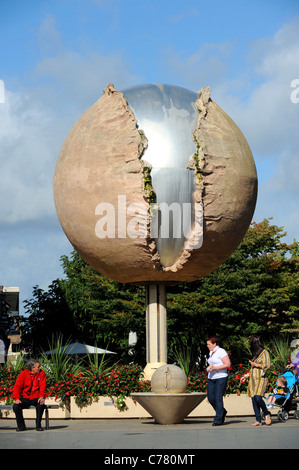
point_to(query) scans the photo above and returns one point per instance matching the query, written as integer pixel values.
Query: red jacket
(30, 385)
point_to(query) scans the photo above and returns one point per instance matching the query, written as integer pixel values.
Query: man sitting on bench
(30, 389)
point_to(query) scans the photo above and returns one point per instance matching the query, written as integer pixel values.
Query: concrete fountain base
(169, 408)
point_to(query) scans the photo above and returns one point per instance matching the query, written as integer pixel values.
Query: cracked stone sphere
(169, 379)
(155, 184)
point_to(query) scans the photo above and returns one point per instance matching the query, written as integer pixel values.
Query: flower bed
(7, 380)
(119, 383)
(199, 381)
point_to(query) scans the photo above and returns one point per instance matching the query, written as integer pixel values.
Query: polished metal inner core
(168, 116)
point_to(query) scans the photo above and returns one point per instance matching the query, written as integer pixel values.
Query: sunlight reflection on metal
(168, 116)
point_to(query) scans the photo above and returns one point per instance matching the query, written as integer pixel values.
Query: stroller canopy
(291, 378)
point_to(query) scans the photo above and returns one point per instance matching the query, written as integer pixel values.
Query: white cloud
(259, 101)
(270, 121)
(270, 117)
(34, 121)
(30, 255)
(26, 156)
(47, 35)
(78, 80)
(205, 66)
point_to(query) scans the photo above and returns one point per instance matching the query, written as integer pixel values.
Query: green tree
(255, 291)
(104, 310)
(48, 315)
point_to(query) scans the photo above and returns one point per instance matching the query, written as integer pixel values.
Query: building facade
(10, 325)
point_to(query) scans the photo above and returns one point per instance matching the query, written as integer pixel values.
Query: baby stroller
(289, 402)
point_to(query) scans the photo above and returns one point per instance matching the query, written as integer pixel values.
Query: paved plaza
(131, 435)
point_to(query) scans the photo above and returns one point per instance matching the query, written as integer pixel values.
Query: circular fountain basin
(169, 408)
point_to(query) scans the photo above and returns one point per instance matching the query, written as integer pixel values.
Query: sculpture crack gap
(173, 220)
(169, 130)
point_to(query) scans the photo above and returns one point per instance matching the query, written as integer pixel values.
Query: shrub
(120, 381)
(8, 377)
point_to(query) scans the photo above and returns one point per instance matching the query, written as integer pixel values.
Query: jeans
(26, 403)
(216, 389)
(258, 405)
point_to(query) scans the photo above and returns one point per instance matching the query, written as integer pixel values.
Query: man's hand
(41, 401)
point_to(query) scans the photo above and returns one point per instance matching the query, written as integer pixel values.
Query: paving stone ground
(127, 436)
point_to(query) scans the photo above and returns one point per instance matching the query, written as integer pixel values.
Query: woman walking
(219, 363)
(258, 380)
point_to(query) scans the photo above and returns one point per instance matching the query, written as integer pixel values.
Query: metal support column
(156, 328)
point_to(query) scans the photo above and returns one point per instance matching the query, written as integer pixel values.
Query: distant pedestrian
(219, 363)
(2, 351)
(295, 361)
(30, 389)
(258, 379)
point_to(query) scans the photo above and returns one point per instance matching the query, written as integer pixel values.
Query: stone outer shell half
(169, 379)
(100, 160)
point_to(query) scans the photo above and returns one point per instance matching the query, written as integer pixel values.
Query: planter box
(236, 405)
(104, 407)
(63, 412)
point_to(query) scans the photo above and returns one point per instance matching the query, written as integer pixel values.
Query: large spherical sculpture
(156, 184)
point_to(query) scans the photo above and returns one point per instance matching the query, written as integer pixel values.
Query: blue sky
(56, 57)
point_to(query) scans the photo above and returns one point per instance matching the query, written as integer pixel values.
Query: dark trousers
(26, 403)
(216, 389)
(258, 405)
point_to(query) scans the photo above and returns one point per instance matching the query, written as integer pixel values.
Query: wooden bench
(47, 408)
